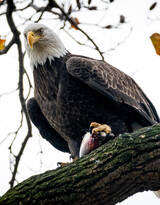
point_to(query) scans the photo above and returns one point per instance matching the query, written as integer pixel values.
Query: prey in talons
(96, 128)
(98, 134)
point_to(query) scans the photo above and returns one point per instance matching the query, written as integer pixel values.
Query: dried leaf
(76, 21)
(155, 38)
(2, 44)
(153, 6)
(122, 19)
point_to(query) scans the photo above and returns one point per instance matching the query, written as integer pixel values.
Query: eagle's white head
(42, 43)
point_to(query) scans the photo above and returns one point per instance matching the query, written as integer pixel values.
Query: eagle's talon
(98, 135)
(73, 158)
(62, 164)
(98, 128)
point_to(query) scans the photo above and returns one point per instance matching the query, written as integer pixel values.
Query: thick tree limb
(120, 168)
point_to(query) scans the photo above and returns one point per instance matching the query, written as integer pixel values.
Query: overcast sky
(135, 56)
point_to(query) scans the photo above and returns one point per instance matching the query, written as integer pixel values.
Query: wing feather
(113, 83)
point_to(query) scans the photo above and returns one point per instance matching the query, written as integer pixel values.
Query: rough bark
(118, 169)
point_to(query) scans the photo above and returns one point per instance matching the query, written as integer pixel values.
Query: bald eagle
(71, 91)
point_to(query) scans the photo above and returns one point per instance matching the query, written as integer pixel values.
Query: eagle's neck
(41, 53)
(47, 76)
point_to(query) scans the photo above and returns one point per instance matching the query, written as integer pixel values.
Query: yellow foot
(98, 128)
(75, 158)
(62, 164)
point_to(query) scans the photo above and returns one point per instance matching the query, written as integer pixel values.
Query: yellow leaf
(2, 44)
(155, 38)
(76, 21)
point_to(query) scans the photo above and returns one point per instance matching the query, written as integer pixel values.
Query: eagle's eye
(40, 31)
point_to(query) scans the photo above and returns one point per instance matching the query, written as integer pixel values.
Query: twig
(22, 9)
(8, 93)
(54, 4)
(82, 44)
(30, 84)
(121, 42)
(41, 15)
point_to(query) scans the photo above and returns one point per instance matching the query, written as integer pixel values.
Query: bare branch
(38, 9)
(10, 8)
(121, 42)
(30, 84)
(40, 17)
(54, 4)
(78, 42)
(8, 93)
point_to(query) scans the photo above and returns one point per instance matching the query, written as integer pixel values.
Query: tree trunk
(118, 169)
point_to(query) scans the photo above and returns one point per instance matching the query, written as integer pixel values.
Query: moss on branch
(123, 166)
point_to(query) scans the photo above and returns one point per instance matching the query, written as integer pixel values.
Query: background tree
(76, 22)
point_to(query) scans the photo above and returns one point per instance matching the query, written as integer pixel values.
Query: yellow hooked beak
(32, 38)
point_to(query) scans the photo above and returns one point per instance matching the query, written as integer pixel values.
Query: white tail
(157, 193)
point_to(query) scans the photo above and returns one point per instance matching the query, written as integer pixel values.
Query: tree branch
(53, 4)
(10, 8)
(122, 167)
